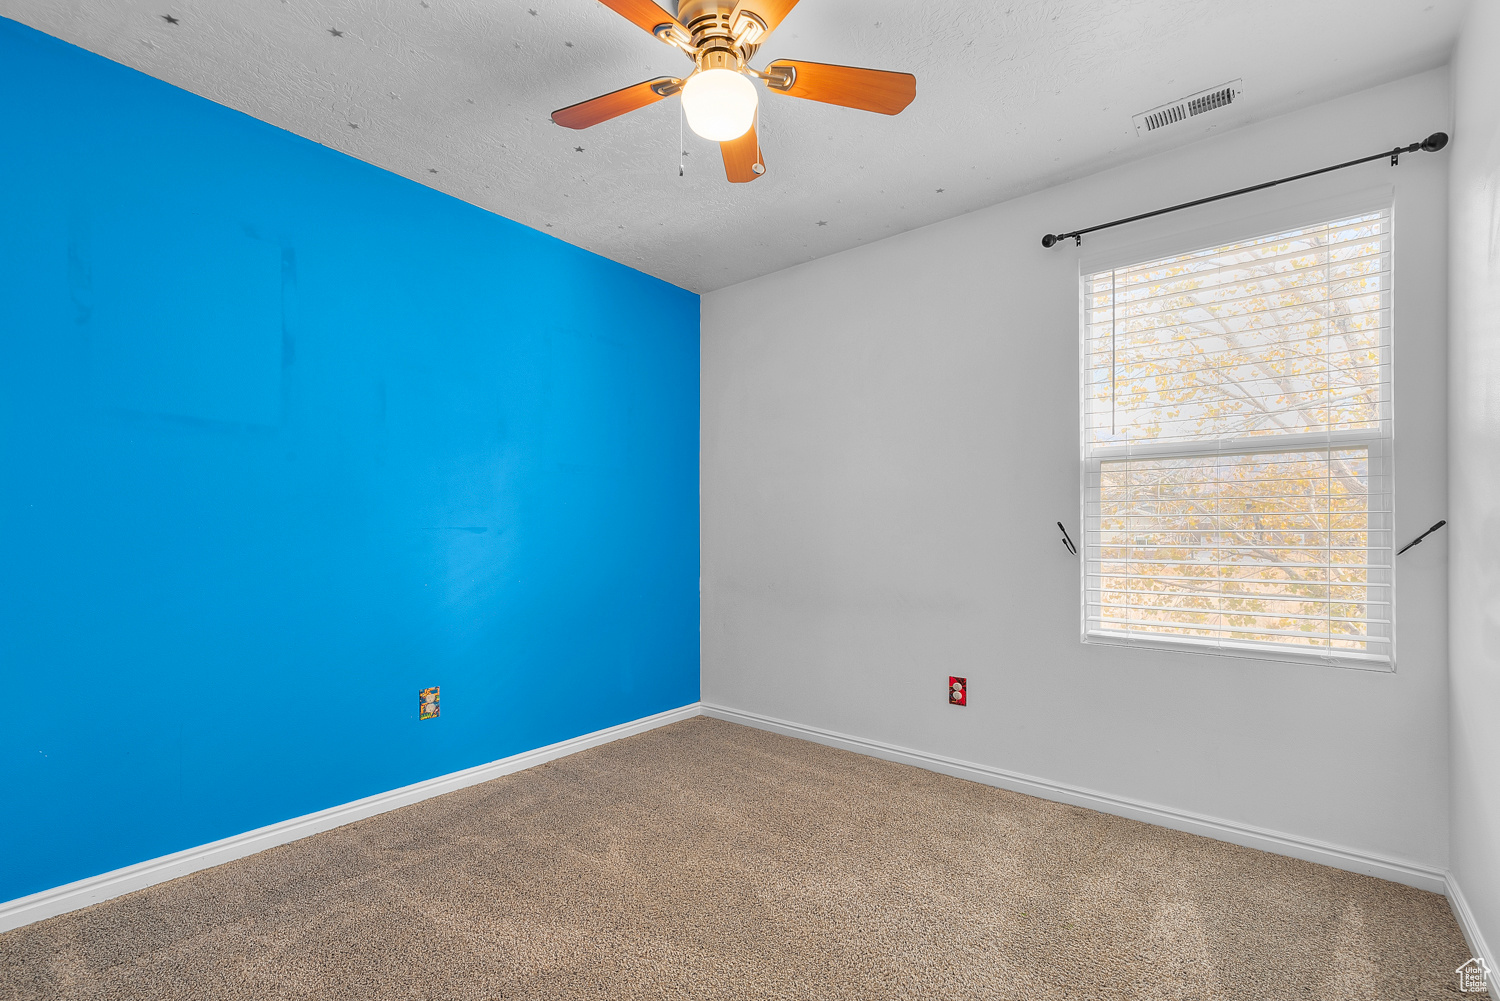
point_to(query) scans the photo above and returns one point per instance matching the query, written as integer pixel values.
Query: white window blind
(1237, 447)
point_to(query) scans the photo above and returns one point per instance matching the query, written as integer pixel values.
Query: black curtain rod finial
(1434, 142)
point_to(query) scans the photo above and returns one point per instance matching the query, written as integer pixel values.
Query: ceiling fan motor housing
(721, 44)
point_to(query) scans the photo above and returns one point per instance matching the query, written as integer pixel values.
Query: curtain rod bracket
(1431, 144)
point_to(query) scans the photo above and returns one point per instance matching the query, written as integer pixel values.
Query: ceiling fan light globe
(719, 104)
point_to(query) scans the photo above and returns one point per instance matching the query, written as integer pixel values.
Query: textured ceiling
(1012, 96)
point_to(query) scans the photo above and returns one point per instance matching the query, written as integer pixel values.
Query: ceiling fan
(719, 98)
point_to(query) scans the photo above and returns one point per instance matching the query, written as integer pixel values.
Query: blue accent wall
(285, 438)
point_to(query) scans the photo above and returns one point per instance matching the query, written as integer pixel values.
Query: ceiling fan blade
(770, 12)
(644, 14)
(742, 156)
(849, 86)
(616, 103)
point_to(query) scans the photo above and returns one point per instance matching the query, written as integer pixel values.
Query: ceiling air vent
(1189, 107)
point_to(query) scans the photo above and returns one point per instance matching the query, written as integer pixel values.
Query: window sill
(1244, 651)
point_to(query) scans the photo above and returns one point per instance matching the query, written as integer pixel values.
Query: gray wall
(1474, 480)
(889, 434)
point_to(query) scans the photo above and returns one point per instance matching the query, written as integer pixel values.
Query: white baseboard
(1350, 859)
(1477, 945)
(72, 896)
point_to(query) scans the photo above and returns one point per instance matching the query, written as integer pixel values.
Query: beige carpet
(708, 860)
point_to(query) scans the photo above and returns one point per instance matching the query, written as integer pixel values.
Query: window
(1237, 447)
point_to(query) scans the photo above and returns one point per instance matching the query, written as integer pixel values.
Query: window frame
(1379, 441)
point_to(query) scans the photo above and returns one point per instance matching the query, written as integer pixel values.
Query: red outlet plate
(958, 691)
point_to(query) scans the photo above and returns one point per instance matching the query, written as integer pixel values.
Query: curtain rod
(1431, 144)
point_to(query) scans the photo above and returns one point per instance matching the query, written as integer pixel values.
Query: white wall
(1474, 481)
(889, 434)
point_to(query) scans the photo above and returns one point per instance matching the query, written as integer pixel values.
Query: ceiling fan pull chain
(759, 166)
(681, 153)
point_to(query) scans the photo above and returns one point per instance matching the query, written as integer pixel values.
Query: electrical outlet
(958, 691)
(427, 703)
